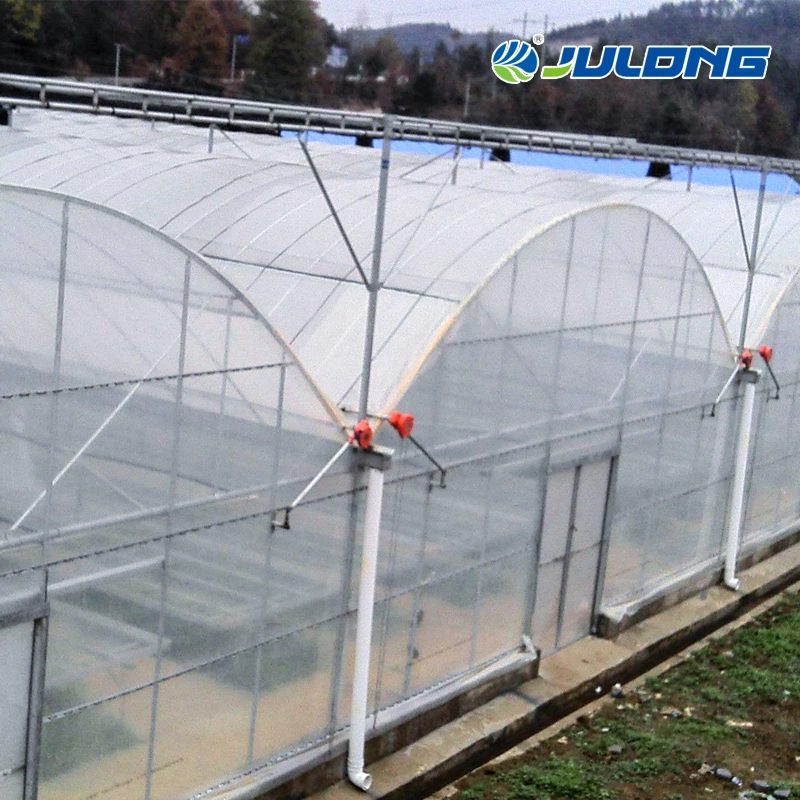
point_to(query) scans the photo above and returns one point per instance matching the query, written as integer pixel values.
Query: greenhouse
(183, 499)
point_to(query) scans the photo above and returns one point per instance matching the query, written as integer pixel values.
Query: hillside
(754, 116)
(772, 22)
(422, 36)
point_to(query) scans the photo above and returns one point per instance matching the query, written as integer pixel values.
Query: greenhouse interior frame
(301, 438)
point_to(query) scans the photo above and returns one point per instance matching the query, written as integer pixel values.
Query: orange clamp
(746, 359)
(765, 351)
(362, 435)
(402, 423)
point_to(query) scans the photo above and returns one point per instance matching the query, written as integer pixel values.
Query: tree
(288, 45)
(471, 61)
(772, 131)
(381, 56)
(153, 24)
(20, 19)
(97, 27)
(201, 39)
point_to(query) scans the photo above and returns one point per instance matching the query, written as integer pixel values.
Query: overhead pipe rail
(266, 117)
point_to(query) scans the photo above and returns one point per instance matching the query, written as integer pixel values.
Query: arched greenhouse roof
(117, 342)
(253, 210)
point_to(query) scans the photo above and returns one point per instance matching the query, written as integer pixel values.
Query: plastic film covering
(152, 424)
(600, 335)
(257, 214)
(773, 498)
(556, 354)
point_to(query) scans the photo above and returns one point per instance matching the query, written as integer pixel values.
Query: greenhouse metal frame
(183, 338)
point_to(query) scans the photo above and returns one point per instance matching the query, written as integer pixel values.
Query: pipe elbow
(733, 584)
(360, 779)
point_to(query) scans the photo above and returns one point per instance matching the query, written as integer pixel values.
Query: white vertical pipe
(366, 601)
(739, 475)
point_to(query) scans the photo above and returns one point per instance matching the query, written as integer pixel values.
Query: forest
(284, 50)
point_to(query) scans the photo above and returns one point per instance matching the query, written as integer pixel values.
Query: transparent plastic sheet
(773, 499)
(155, 424)
(601, 320)
(100, 749)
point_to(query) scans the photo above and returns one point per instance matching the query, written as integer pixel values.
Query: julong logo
(515, 61)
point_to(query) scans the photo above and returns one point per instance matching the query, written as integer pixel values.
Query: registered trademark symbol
(538, 38)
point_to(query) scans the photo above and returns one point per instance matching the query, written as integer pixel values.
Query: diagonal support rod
(713, 412)
(442, 470)
(312, 483)
(774, 380)
(333, 211)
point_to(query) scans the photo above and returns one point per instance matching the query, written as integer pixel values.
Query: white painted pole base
(366, 601)
(750, 378)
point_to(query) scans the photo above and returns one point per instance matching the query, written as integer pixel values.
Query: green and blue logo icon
(515, 61)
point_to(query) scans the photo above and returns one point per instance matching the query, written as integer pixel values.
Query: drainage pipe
(750, 378)
(376, 463)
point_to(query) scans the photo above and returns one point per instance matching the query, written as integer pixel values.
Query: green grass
(565, 778)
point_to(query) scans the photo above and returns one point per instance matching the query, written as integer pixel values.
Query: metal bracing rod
(177, 419)
(212, 127)
(312, 483)
(375, 279)
(714, 405)
(427, 163)
(133, 516)
(333, 211)
(68, 585)
(420, 222)
(35, 708)
(774, 380)
(442, 470)
(763, 244)
(752, 259)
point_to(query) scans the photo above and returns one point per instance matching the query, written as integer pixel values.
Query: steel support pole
(752, 260)
(375, 278)
(35, 708)
(376, 462)
(750, 378)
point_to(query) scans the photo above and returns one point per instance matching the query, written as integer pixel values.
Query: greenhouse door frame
(573, 465)
(35, 615)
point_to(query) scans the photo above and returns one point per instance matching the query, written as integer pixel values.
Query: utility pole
(118, 48)
(233, 56)
(466, 97)
(524, 22)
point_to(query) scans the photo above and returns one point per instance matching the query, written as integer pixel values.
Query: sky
(472, 15)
